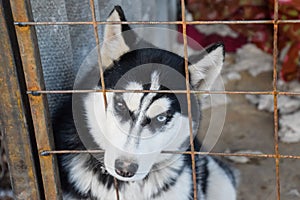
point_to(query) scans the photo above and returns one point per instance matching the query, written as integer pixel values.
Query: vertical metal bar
(95, 25)
(275, 94)
(39, 108)
(188, 95)
(13, 117)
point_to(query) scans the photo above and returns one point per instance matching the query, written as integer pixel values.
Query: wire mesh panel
(36, 92)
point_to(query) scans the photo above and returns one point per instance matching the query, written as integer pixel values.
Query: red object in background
(231, 44)
(292, 61)
(259, 34)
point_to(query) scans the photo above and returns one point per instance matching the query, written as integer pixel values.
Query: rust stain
(38, 105)
(16, 135)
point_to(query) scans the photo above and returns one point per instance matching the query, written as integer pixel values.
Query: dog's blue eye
(161, 118)
(120, 106)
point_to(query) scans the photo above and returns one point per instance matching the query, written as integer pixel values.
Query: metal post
(14, 123)
(31, 62)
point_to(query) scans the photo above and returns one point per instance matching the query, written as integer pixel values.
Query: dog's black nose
(125, 168)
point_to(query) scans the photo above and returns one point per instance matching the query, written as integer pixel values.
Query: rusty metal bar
(38, 104)
(13, 120)
(92, 5)
(21, 23)
(95, 26)
(289, 93)
(188, 96)
(39, 92)
(275, 95)
(250, 155)
(288, 21)
(271, 21)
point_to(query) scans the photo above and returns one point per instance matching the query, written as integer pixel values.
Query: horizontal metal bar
(97, 22)
(19, 23)
(39, 92)
(288, 93)
(288, 21)
(231, 22)
(99, 151)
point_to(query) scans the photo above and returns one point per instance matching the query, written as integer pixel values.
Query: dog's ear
(116, 39)
(206, 67)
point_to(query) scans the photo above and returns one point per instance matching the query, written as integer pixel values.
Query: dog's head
(135, 127)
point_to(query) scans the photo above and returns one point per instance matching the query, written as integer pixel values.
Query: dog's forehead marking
(133, 99)
(158, 107)
(148, 97)
(145, 102)
(155, 81)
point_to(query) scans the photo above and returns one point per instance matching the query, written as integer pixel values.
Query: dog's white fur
(112, 135)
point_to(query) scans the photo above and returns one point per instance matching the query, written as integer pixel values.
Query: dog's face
(135, 127)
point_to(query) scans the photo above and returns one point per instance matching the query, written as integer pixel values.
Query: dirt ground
(247, 128)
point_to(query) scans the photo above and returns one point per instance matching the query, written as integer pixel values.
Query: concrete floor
(247, 128)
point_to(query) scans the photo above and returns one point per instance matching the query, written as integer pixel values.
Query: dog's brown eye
(120, 106)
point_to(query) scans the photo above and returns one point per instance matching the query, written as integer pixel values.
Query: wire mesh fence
(24, 25)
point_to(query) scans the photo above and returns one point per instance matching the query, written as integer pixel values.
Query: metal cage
(25, 118)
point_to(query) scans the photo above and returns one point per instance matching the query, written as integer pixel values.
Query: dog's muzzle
(127, 165)
(126, 168)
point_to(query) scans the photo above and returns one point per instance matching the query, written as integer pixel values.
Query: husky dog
(133, 128)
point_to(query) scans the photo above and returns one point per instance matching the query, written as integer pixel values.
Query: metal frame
(24, 26)
(30, 57)
(14, 114)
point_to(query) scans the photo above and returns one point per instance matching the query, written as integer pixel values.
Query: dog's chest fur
(173, 182)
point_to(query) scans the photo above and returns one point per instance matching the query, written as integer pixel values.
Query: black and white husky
(134, 128)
